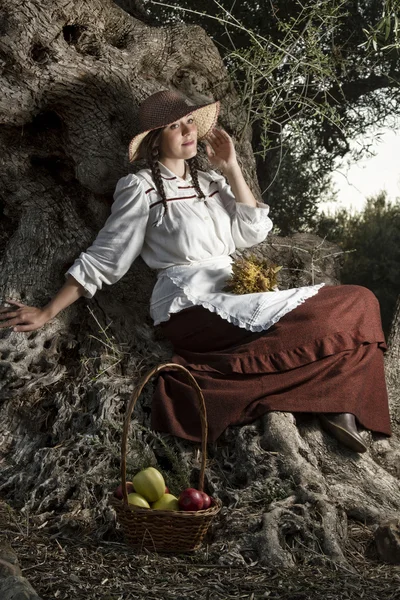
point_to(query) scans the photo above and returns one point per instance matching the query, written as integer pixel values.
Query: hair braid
(149, 150)
(155, 169)
(194, 168)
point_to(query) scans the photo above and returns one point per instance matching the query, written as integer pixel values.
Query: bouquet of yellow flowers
(252, 275)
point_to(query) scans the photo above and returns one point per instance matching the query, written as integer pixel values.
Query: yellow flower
(252, 275)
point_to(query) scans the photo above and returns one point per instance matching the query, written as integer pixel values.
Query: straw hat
(166, 107)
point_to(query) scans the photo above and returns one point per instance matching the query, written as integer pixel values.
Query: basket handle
(131, 406)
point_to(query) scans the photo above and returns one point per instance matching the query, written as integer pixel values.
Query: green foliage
(375, 235)
(385, 34)
(296, 188)
(310, 76)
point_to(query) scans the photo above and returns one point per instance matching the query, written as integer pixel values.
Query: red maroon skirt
(325, 356)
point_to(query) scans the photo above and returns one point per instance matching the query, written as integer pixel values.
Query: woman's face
(179, 139)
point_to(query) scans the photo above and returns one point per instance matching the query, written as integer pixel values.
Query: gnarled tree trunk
(72, 77)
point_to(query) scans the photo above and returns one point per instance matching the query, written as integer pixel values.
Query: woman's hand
(22, 318)
(221, 151)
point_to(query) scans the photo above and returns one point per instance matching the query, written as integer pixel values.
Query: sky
(354, 182)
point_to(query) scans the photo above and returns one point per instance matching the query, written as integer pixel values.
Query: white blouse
(189, 247)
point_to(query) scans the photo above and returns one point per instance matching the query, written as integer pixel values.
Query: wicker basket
(164, 530)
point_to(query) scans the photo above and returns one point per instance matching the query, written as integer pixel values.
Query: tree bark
(72, 77)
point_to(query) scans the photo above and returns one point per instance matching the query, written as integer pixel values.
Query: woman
(311, 349)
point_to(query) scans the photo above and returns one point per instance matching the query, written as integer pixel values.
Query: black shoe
(343, 427)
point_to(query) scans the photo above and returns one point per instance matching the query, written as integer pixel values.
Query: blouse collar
(170, 176)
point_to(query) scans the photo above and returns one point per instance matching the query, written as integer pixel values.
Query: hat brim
(205, 116)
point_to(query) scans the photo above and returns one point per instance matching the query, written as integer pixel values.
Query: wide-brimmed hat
(165, 107)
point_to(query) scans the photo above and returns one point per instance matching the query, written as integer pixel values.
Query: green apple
(166, 502)
(138, 500)
(149, 483)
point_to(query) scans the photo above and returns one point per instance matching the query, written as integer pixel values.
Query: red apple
(191, 499)
(129, 488)
(167, 490)
(206, 500)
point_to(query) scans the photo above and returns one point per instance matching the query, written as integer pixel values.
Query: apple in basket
(206, 500)
(166, 502)
(138, 500)
(150, 484)
(191, 499)
(129, 488)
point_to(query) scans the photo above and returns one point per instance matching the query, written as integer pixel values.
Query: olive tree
(73, 75)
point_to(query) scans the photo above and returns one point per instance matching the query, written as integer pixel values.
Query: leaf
(387, 28)
(381, 24)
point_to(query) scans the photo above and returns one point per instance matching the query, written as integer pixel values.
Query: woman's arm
(249, 218)
(119, 242)
(68, 294)
(116, 246)
(239, 187)
(29, 318)
(222, 155)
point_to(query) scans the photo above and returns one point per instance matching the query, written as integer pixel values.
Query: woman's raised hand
(220, 150)
(22, 317)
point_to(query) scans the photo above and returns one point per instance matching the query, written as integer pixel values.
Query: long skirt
(325, 356)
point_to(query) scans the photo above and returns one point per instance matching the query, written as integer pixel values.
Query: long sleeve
(119, 242)
(250, 224)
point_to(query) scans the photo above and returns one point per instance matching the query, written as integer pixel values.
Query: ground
(79, 568)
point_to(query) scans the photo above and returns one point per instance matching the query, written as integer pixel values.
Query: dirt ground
(79, 568)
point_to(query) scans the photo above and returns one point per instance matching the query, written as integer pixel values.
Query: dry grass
(82, 570)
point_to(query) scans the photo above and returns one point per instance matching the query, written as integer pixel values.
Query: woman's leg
(325, 356)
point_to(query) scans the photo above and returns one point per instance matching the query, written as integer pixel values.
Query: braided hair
(194, 169)
(149, 150)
